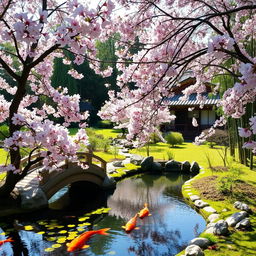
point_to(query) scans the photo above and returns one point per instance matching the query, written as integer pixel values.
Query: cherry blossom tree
(32, 34)
(211, 38)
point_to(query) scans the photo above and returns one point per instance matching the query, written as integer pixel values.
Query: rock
(218, 228)
(209, 209)
(194, 198)
(235, 218)
(243, 224)
(193, 250)
(126, 161)
(146, 163)
(118, 164)
(125, 150)
(156, 167)
(136, 159)
(242, 206)
(200, 203)
(213, 217)
(109, 182)
(173, 166)
(194, 169)
(185, 166)
(33, 198)
(201, 242)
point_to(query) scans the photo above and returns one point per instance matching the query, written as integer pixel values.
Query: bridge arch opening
(79, 195)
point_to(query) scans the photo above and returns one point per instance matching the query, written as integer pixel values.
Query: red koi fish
(79, 242)
(131, 224)
(144, 212)
(8, 240)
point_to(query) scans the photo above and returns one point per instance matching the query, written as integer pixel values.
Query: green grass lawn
(107, 133)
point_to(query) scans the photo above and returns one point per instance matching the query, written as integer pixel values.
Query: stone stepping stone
(193, 250)
(213, 217)
(200, 203)
(194, 198)
(201, 242)
(209, 209)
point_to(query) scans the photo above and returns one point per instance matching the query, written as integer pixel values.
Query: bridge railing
(89, 158)
(86, 157)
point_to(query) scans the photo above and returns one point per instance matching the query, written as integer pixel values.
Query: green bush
(4, 131)
(97, 141)
(174, 138)
(154, 138)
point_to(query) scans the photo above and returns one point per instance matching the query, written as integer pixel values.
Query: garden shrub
(154, 138)
(4, 131)
(174, 138)
(97, 141)
(220, 137)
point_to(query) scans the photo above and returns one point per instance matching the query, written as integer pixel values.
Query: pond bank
(233, 241)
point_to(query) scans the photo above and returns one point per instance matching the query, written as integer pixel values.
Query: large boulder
(173, 166)
(235, 218)
(185, 166)
(219, 228)
(194, 169)
(118, 164)
(146, 163)
(201, 242)
(242, 206)
(243, 224)
(33, 198)
(109, 182)
(156, 167)
(193, 250)
(136, 159)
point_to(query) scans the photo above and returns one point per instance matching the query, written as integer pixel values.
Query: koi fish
(131, 224)
(8, 240)
(79, 242)
(144, 212)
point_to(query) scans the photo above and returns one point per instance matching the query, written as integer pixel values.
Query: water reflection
(166, 232)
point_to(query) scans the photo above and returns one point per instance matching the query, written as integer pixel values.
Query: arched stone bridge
(40, 185)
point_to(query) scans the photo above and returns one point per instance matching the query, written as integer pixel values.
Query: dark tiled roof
(192, 101)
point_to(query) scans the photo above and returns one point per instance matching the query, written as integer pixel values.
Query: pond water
(166, 232)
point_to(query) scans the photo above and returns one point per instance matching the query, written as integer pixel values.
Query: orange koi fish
(131, 224)
(144, 212)
(8, 240)
(79, 242)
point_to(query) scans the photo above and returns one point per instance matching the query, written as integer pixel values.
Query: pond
(166, 232)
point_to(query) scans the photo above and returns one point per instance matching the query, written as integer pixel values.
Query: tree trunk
(9, 184)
